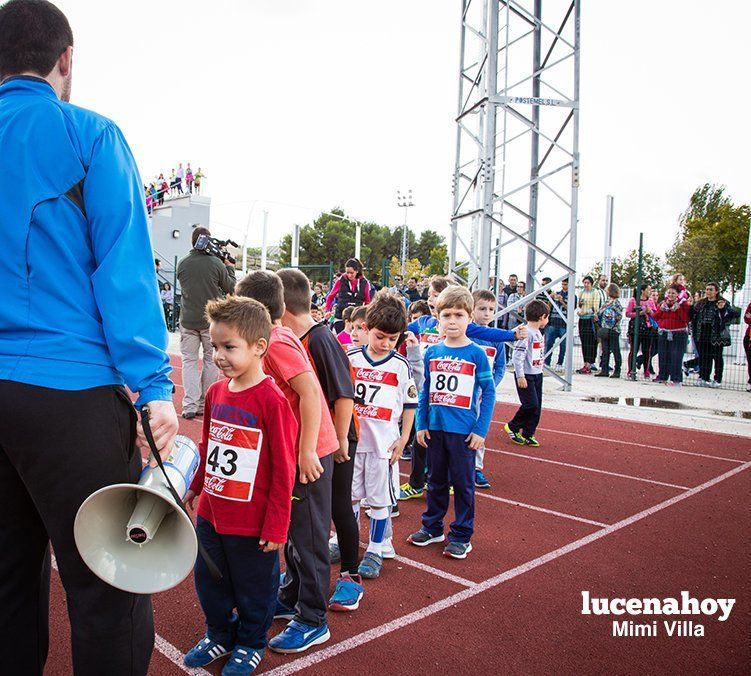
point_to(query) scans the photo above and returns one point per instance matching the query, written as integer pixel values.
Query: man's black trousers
(56, 448)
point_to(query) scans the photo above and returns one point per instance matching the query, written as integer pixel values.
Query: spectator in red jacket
(672, 316)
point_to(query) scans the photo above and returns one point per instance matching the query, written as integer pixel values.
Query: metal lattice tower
(516, 177)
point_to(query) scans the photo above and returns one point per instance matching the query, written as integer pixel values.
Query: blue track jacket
(80, 305)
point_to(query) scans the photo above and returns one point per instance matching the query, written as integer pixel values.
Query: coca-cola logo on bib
(443, 398)
(368, 411)
(222, 432)
(214, 484)
(369, 375)
(449, 366)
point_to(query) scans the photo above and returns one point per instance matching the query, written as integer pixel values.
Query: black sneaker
(394, 511)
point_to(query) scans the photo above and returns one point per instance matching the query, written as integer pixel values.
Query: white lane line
(588, 469)
(634, 443)
(400, 622)
(535, 508)
(429, 569)
(172, 653)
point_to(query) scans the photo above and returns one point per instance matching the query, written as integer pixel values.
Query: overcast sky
(340, 102)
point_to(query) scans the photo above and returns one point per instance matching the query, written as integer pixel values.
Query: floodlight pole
(404, 200)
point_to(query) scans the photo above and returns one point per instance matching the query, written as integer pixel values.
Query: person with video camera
(206, 273)
(80, 319)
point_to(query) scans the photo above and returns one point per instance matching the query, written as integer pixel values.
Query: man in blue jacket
(79, 319)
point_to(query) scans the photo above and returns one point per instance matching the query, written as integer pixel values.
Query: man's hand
(721, 304)
(522, 382)
(422, 437)
(189, 498)
(269, 546)
(310, 467)
(396, 450)
(475, 441)
(164, 426)
(410, 339)
(342, 454)
(520, 332)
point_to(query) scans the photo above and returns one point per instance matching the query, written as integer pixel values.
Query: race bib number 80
(232, 461)
(452, 382)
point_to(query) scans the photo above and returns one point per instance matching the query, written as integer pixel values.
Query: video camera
(215, 247)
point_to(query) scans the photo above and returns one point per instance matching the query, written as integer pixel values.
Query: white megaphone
(134, 536)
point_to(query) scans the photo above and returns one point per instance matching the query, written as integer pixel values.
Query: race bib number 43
(452, 382)
(232, 461)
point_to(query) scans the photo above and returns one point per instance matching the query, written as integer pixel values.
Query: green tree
(429, 240)
(703, 204)
(712, 240)
(438, 260)
(624, 270)
(394, 246)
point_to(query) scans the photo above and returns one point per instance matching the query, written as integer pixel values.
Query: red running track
(616, 508)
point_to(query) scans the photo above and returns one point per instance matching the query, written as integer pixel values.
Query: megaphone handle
(213, 570)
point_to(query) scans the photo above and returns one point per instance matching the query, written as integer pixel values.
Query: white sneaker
(387, 549)
(703, 383)
(558, 368)
(748, 387)
(714, 384)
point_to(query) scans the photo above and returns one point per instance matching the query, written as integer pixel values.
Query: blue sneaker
(347, 594)
(370, 566)
(457, 550)
(204, 652)
(283, 612)
(243, 661)
(298, 637)
(481, 481)
(422, 538)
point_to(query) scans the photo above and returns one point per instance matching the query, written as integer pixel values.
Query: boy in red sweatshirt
(245, 480)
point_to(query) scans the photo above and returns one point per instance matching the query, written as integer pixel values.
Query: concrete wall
(178, 216)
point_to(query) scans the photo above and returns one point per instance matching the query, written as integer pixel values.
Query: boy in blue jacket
(457, 377)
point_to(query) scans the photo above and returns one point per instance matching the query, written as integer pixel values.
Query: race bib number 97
(232, 461)
(452, 382)
(377, 390)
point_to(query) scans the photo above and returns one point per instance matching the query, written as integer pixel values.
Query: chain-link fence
(729, 370)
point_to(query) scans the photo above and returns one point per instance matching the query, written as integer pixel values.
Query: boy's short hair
(386, 313)
(483, 294)
(358, 313)
(419, 306)
(265, 287)
(314, 307)
(296, 290)
(247, 316)
(613, 291)
(347, 313)
(439, 283)
(455, 296)
(536, 310)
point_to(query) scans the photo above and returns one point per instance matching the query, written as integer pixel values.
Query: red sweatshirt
(672, 318)
(248, 460)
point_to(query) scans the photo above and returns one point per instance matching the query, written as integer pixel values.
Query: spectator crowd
(179, 181)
